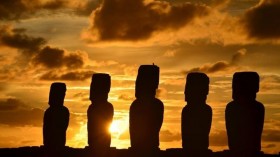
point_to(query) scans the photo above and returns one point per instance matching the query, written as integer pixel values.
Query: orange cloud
(270, 84)
(135, 20)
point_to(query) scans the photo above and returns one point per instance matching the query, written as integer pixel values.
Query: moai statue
(56, 118)
(146, 112)
(100, 113)
(196, 115)
(245, 115)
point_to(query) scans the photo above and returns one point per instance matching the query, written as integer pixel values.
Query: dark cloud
(36, 50)
(49, 57)
(68, 76)
(20, 9)
(271, 135)
(220, 65)
(54, 4)
(211, 3)
(13, 9)
(161, 92)
(14, 112)
(211, 68)
(10, 141)
(262, 21)
(218, 138)
(168, 136)
(11, 104)
(238, 56)
(7, 72)
(81, 95)
(85, 9)
(125, 97)
(74, 60)
(57, 58)
(16, 38)
(138, 19)
(23, 9)
(269, 146)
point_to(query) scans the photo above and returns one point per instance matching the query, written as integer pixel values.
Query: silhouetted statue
(146, 112)
(100, 112)
(196, 115)
(56, 118)
(245, 115)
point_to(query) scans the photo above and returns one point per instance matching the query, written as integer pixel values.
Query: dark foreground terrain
(112, 152)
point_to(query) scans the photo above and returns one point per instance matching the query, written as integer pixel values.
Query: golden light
(118, 127)
(114, 128)
(80, 138)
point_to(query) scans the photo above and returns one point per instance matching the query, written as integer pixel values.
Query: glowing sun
(118, 127)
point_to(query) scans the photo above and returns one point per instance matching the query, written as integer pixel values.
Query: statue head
(197, 87)
(147, 81)
(57, 94)
(100, 86)
(245, 85)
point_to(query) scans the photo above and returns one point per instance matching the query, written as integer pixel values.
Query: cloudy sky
(43, 41)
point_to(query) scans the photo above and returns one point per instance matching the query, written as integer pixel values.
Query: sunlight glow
(118, 127)
(80, 138)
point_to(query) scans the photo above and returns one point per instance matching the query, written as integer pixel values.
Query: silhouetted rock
(146, 112)
(100, 113)
(196, 115)
(245, 115)
(56, 119)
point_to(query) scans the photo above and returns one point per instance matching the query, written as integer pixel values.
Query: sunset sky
(43, 41)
